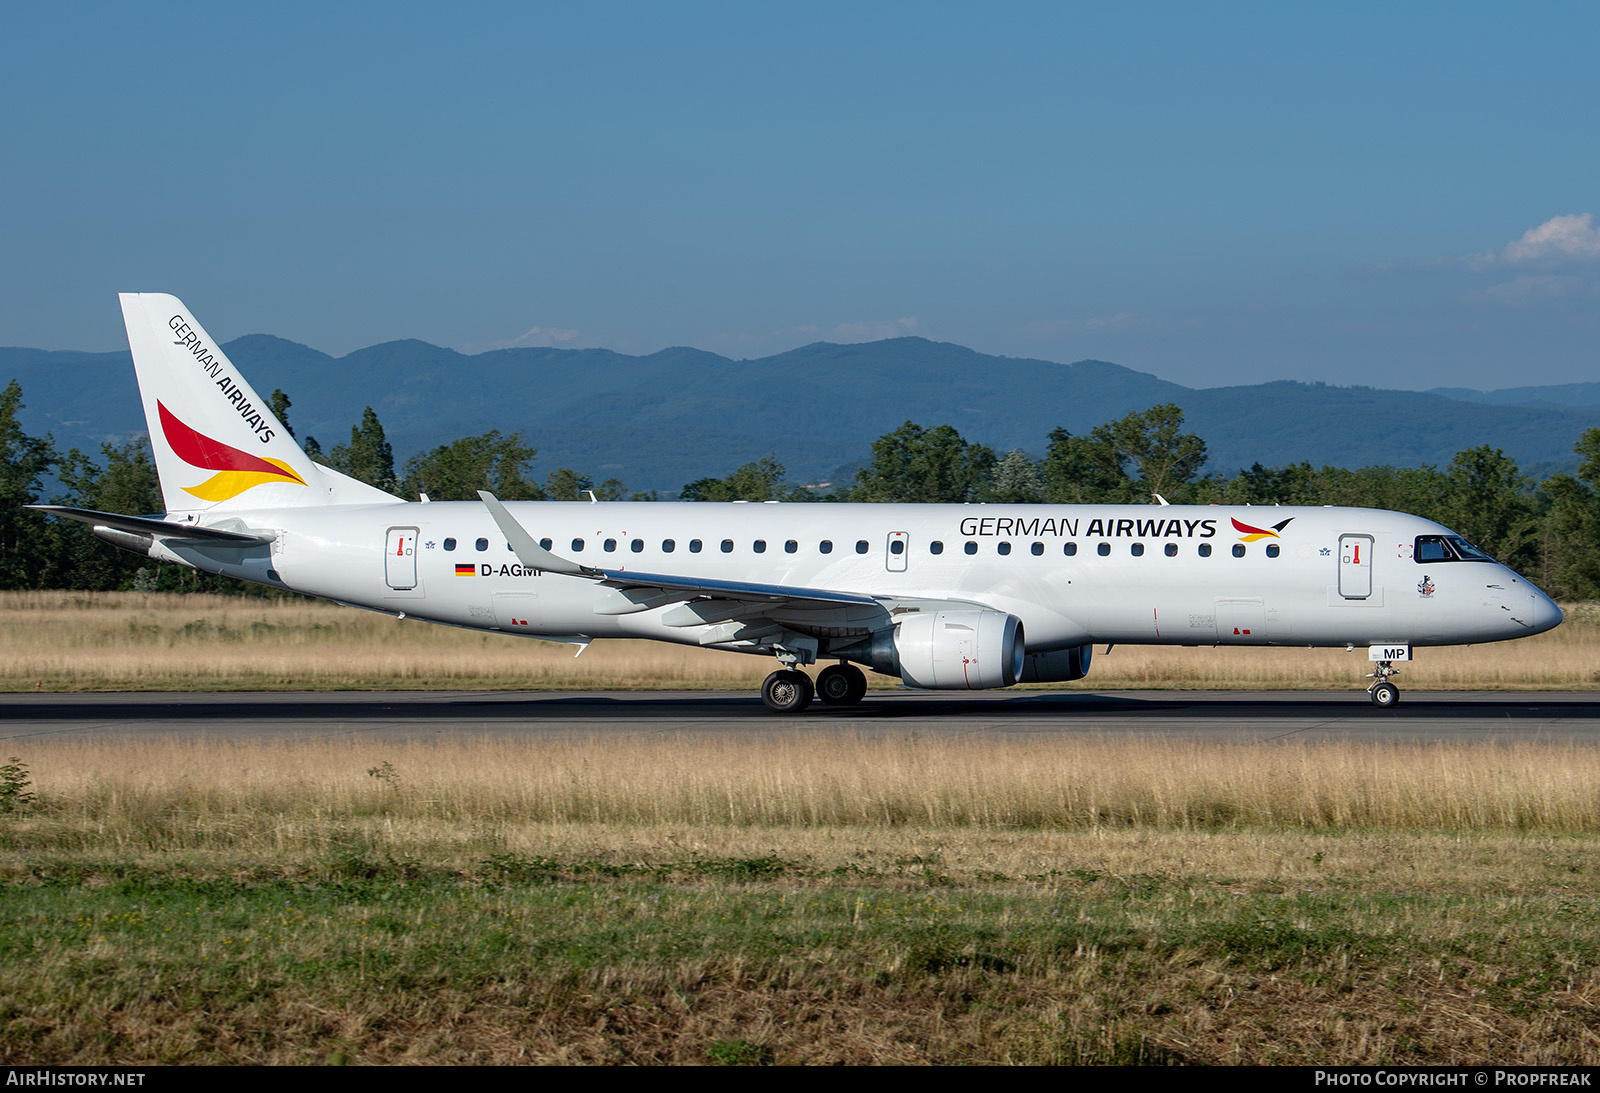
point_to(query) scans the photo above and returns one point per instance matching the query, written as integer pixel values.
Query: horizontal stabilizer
(153, 525)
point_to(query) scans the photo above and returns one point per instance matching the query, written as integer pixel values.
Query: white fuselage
(1173, 575)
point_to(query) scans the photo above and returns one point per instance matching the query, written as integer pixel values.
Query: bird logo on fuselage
(1248, 534)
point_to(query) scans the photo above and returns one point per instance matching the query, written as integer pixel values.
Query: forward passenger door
(1355, 566)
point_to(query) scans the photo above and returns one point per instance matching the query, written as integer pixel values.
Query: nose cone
(1545, 614)
(1528, 610)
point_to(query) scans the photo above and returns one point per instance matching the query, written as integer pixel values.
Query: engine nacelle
(958, 650)
(1061, 666)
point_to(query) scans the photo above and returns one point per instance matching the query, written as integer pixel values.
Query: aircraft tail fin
(217, 444)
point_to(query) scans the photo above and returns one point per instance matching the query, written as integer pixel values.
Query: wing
(728, 611)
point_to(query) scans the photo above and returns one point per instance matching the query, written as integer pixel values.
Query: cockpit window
(1432, 549)
(1468, 552)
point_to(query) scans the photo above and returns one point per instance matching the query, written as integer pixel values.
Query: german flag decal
(1248, 534)
(465, 569)
(236, 471)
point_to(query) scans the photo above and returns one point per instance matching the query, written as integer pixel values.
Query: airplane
(945, 597)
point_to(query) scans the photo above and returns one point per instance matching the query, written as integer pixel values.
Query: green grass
(739, 962)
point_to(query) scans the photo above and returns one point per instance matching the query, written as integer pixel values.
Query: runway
(403, 715)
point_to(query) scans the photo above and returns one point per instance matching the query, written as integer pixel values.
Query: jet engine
(949, 650)
(1061, 666)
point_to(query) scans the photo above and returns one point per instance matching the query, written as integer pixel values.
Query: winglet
(528, 551)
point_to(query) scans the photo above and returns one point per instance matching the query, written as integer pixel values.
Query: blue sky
(1393, 195)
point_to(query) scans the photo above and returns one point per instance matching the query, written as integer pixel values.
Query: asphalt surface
(401, 715)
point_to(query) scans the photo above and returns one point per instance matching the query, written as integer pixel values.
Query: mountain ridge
(659, 420)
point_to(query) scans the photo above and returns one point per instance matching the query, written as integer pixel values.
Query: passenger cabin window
(1069, 549)
(1037, 548)
(825, 547)
(759, 546)
(1171, 550)
(668, 546)
(1205, 550)
(861, 546)
(790, 546)
(1103, 549)
(546, 543)
(971, 547)
(694, 546)
(897, 547)
(1137, 550)
(449, 544)
(611, 545)
(727, 546)
(936, 547)
(637, 546)
(577, 546)
(1003, 548)
(482, 544)
(1238, 550)
(1272, 550)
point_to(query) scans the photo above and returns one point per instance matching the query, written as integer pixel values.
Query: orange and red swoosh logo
(1248, 534)
(237, 471)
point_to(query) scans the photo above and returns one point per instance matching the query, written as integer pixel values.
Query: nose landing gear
(1384, 693)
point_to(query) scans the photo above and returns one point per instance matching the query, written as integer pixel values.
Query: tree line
(1549, 531)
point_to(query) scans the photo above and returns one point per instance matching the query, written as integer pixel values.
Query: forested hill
(661, 420)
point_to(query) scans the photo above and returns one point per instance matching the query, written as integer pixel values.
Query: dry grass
(280, 797)
(64, 641)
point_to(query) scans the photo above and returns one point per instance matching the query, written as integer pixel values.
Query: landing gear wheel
(787, 691)
(841, 685)
(1384, 694)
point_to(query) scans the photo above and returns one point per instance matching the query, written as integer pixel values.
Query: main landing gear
(789, 690)
(841, 685)
(1384, 693)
